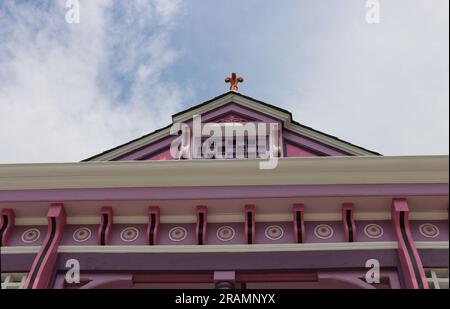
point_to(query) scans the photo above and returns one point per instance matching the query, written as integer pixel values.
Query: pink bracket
(44, 263)
(299, 222)
(349, 222)
(104, 231)
(153, 225)
(7, 219)
(200, 230)
(250, 224)
(411, 264)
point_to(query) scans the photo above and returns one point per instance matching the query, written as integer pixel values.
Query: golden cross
(234, 80)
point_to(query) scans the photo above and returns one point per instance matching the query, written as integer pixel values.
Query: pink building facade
(329, 214)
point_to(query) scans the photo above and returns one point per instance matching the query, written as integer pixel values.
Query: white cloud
(58, 97)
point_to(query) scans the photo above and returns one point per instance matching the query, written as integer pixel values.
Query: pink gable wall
(233, 112)
(165, 155)
(296, 151)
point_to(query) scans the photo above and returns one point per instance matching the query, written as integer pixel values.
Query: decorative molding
(232, 118)
(104, 229)
(20, 250)
(274, 232)
(153, 225)
(442, 245)
(205, 173)
(410, 261)
(82, 234)
(33, 233)
(429, 230)
(43, 266)
(323, 231)
(298, 222)
(232, 248)
(225, 233)
(348, 222)
(239, 217)
(373, 231)
(129, 234)
(177, 233)
(250, 224)
(7, 225)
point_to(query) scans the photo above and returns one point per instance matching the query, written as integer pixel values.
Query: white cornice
(290, 171)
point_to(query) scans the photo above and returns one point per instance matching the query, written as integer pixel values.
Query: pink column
(7, 219)
(200, 229)
(153, 225)
(104, 230)
(250, 224)
(44, 263)
(299, 222)
(348, 222)
(412, 268)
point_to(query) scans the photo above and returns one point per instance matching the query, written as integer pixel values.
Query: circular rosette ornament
(274, 232)
(129, 234)
(225, 233)
(31, 235)
(177, 233)
(82, 234)
(429, 230)
(323, 231)
(373, 231)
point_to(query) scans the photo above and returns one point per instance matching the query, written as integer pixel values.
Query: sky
(70, 91)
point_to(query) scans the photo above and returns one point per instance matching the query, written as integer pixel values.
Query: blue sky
(69, 91)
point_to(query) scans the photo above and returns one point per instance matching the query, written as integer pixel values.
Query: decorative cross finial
(234, 80)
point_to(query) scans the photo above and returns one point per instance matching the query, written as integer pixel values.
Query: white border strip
(431, 244)
(231, 248)
(238, 218)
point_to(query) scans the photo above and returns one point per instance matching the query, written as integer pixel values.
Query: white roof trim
(290, 171)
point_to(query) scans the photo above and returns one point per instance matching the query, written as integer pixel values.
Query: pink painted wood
(350, 234)
(201, 237)
(105, 226)
(299, 208)
(44, 263)
(250, 209)
(7, 224)
(153, 210)
(411, 264)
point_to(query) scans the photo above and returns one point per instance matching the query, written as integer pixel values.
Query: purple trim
(311, 145)
(228, 261)
(147, 150)
(238, 109)
(104, 261)
(434, 257)
(11, 263)
(173, 193)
